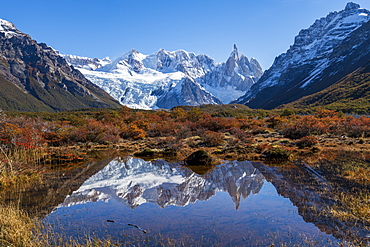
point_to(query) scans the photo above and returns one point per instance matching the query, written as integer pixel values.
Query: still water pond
(233, 205)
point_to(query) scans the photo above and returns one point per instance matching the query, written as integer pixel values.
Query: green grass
(350, 95)
(12, 98)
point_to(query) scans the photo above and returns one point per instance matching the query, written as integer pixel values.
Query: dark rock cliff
(36, 78)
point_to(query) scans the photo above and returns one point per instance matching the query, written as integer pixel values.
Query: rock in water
(199, 158)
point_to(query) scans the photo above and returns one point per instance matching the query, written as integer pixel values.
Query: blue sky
(261, 28)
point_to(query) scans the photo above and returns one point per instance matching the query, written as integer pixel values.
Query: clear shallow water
(232, 205)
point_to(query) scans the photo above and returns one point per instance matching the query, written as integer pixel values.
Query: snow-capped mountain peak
(312, 52)
(6, 25)
(169, 78)
(8, 29)
(37, 71)
(86, 62)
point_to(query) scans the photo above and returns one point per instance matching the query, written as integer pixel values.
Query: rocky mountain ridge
(35, 78)
(350, 94)
(328, 50)
(167, 79)
(86, 62)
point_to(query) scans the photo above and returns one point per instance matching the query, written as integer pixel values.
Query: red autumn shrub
(307, 141)
(26, 134)
(322, 113)
(132, 132)
(212, 139)
(240, 134)
(357, 127)
(306, 126)
(275, 122)
(213, 123)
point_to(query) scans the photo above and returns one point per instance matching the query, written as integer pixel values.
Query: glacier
(166, 79)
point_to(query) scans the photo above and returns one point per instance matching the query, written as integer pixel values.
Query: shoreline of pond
(327, 157)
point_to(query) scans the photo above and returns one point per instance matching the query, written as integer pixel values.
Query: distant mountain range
(33, 77)
(327, 65)
(322, 56)
(167, 79)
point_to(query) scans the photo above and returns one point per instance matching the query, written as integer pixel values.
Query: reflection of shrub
(276, 154)
(307, 141)
(147, 152)
(168, 152)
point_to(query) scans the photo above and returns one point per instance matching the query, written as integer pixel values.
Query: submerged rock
(199, 158)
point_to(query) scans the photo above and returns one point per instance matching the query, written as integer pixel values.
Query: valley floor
(333, 149)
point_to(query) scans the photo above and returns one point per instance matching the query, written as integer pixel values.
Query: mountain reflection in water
(135, 181)
(232, 205)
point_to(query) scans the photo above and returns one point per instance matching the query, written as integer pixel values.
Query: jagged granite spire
(167, 78)
(232, 62)
(352, 5)
(235, 52)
